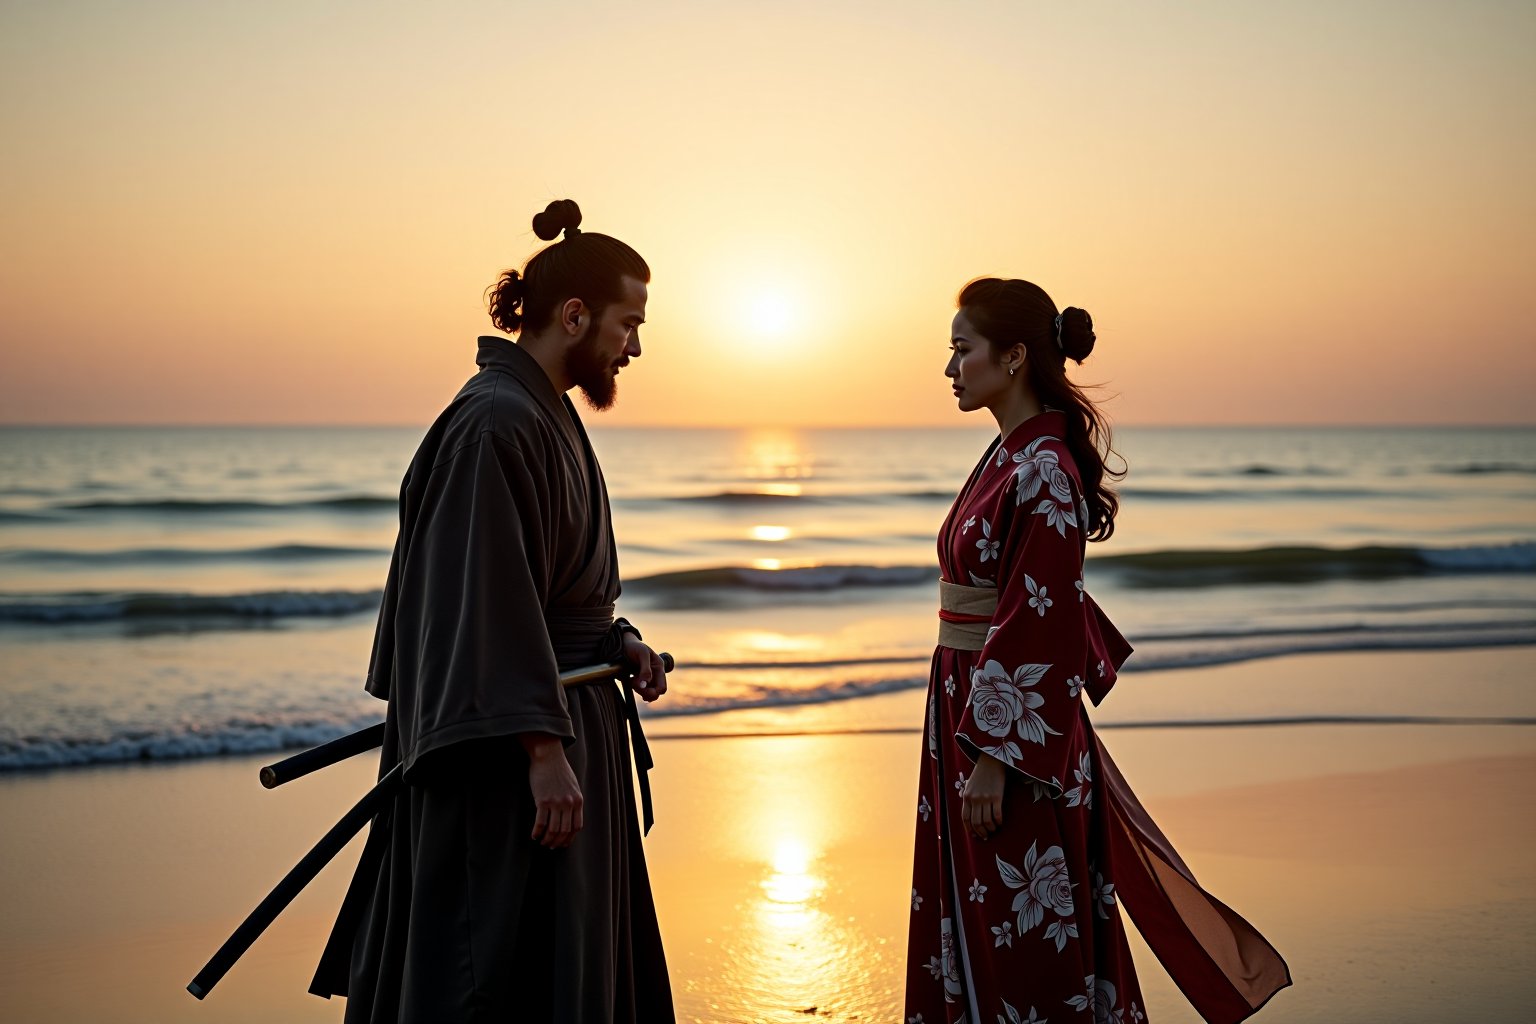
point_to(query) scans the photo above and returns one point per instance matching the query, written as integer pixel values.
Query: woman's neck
(1018, 405)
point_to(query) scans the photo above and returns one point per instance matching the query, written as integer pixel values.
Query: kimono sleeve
(1026, 689)
(472, 653)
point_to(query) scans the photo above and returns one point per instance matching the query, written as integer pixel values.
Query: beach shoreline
(1382, 859)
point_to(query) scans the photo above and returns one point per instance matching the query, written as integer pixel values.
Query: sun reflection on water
(790, 958)
(791, 885)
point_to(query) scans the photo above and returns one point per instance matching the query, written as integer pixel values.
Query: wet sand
(1390, 863)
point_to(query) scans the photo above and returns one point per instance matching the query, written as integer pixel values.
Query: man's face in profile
(607, 345)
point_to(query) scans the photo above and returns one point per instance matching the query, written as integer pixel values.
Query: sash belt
(965, 615)
(575, 635)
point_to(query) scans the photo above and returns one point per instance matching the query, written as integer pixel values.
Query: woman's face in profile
(978, 379)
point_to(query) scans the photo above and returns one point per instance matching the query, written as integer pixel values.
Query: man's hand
(650, 679)
(556, 793)
(981, 802)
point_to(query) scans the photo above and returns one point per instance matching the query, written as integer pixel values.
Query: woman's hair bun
(557, 217)
(1077, 335)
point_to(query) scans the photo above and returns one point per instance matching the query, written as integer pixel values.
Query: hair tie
(571, 232)
(1059, 345)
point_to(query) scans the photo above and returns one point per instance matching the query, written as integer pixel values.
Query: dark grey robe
(504, 573)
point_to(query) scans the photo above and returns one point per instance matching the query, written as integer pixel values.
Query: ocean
(173, 593)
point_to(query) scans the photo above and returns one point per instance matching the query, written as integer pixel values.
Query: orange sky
(287, 212)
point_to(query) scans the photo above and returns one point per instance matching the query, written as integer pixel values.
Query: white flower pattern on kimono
(1085, 1001)
(982, 581)
(1037, 598)
(1007, 752)
(1011, 1016)
(1042, 883)
(1103, 896)
(949, 960)
(949, 686)
(1081, 593)
(1057, 515)
(1101, 998)
(1002, 934)
(1041, 469)
(960, 783)
(1082, 793)
(1035, 469)
(1075, 686)
(987, 546)
(924, 809)
(1060, 932)
(933, 726)
(917, 900)
(966, 526)
(978, 891)
(1001, 703)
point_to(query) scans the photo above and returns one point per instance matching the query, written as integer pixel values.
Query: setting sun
(771, 314)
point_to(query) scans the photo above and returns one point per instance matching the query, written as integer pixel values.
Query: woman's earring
(1011, 370)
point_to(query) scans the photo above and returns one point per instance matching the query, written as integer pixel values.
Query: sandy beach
(1389, 862)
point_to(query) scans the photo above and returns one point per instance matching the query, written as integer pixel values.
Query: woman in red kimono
(1027, 837)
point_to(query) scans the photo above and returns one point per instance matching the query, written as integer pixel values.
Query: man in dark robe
(507, 881)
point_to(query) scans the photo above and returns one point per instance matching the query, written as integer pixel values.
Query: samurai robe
(1025, 925)
(504, 574)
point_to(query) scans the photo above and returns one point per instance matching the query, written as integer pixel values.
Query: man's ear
(573, 317)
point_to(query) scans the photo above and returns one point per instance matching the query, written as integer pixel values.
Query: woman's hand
(650, 678)
(981, 801)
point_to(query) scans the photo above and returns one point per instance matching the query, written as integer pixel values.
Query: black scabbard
(302, 874)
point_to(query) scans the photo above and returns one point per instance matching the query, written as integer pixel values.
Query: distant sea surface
(172, 593)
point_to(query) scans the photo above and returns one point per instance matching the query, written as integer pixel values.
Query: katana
(330, 844)
(327, 754)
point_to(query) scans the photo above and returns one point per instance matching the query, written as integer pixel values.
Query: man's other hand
(556, 793)
(650, 679)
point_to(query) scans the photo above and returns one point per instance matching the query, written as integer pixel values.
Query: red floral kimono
(1024, 926)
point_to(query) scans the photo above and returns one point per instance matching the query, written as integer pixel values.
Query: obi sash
(965, 615)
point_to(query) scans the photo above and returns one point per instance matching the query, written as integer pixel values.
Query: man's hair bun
(1077, 335)
(560, 215)
(505, 301)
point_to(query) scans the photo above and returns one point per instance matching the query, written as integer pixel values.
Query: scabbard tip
(268, 781)
(197, 990)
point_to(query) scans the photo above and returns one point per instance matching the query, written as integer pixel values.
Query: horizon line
(1187, 425)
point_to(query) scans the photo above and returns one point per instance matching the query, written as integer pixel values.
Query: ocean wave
(171, 743)
(1266, 469)
(1488, 468)
(110, 607)
(1301, 564)
(796, 578)
(1147, 569)
(8, 515)
(1261, 493)
(184, 556)
(193, 506)
(748, 498)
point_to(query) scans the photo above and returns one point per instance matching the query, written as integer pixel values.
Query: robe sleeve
(1026, 690)
(472, 657)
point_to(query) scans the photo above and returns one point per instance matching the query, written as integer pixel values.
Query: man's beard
(589, 371)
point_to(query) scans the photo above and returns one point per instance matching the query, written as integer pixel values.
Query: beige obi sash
(965, 615)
